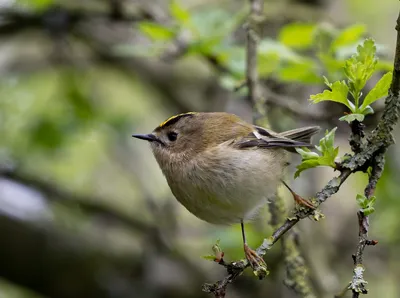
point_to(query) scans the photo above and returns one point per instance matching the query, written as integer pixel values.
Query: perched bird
(221, 168)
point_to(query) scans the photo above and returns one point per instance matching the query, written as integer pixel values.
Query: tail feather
(302, 134)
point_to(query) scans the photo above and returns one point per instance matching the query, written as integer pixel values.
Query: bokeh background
(84, 209)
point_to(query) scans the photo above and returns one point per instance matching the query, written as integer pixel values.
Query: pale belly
(231, 188)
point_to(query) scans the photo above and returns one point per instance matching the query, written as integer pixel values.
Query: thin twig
(253, 37)
(358, 284)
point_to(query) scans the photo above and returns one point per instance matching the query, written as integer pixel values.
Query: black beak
(149, 137)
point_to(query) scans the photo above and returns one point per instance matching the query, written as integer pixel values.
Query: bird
(223, 169)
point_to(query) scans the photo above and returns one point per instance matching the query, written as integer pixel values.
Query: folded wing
(263, 138)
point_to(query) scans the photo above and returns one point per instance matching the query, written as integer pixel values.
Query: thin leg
(254, 259)
(243, 233)
(298, 199)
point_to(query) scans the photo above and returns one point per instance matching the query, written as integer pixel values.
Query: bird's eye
(172, 136)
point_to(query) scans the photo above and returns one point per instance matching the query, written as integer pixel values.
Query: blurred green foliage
(35, 4)
(301, 53)
(71, 125)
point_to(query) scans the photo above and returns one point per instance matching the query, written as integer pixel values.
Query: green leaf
(304, 71)
(380, 90)
(326, 143)
(36, 4)
(338, 93)
(204, 46)
(297, 35)
(360, 67)
(216, 248)
(307, 164)
(349, 36)
(368, 210)
(307, 153)
(270, 46)
(312, 159)
(229, 82)
(367, 110)
(326, 82)
(235, 59)
(384, 65)
(47, 134)
(209, 257)
(156, 31)
(372, 200)
(333, 66)
(366, 205)
(179, 13)
(268, 63)
(361, 200)
(351, 117)
(217, 22)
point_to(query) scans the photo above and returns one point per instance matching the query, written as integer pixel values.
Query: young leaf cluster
(327, 156)
(358, 69)
(366, 204)
(218, 253)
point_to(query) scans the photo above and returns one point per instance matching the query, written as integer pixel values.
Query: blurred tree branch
(38, 256)
(56, 260)
(88, 204)
(58, 19)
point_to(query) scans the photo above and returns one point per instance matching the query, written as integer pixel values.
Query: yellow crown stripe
(174, 117)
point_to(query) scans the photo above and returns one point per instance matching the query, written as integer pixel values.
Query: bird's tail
(302, 134)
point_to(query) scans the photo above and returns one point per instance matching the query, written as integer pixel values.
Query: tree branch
(358, 284)
(59, 18)
(88, 204)
(253, 38)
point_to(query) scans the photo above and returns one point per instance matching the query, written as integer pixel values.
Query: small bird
(221, 168)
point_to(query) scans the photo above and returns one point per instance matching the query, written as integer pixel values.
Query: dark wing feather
(263, 138)
(302, 134)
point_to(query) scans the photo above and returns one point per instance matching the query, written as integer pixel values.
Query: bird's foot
(302, 202)
(257, 263)
(298, 199)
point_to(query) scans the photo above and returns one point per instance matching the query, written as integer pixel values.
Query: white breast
(229, 185)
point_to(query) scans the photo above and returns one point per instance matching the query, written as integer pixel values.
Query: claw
(302, 202)
(298, 199)
(253, 258)
(257, 263)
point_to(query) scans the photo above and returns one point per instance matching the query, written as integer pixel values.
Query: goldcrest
(221, 168)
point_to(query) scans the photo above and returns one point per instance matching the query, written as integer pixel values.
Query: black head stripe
(174, 119)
